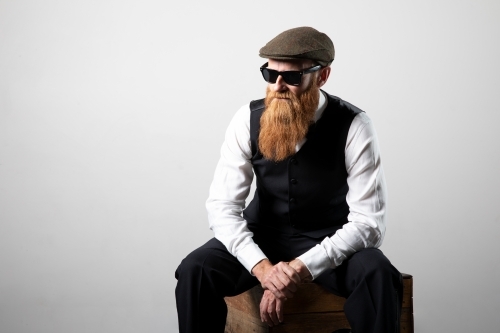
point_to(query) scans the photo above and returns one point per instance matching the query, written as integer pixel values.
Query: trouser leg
(204, 278)
(373, 288)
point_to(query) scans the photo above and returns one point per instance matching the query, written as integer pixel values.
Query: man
(318, 212)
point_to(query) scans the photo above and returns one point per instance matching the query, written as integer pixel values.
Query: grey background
(112, 114)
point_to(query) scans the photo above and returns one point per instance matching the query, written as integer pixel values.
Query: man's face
(290, 65)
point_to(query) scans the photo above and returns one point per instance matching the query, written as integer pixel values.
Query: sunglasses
(292, 78)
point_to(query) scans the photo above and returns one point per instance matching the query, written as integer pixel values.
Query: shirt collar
(321, 106)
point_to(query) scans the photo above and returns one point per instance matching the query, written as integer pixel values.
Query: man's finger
(288, 271)
(288, 284)
(291, 273)
(263, 308)
(264, 316)
(271, 310)
(276, 292)
(266, 319)
(283, 282)
(279, 310)
(267, 312)
(274, 284)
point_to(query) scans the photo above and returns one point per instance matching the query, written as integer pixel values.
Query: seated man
(318, 212)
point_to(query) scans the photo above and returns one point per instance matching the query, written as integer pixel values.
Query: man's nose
(280, 85)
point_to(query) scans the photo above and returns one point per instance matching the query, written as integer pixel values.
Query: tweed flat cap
(300, 43)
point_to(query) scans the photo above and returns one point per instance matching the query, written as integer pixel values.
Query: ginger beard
(286, 120)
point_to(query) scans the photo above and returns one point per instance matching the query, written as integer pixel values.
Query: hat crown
(300, 43)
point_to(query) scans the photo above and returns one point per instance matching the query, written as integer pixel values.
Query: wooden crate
(312, 310)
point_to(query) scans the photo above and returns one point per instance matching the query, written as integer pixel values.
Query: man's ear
(323, 76)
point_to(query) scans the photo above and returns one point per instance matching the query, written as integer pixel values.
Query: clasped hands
(279, 282)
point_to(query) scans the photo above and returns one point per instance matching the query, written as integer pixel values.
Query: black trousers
(372, 286)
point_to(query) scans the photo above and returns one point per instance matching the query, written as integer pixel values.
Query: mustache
(271, 95)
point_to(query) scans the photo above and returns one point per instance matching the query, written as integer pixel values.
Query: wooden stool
(311, 310)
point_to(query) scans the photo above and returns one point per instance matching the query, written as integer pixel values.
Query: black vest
(305, 193)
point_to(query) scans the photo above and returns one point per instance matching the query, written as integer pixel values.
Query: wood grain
(312, 310)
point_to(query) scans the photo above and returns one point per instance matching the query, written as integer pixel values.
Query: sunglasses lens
(269, 75)
(292, 78)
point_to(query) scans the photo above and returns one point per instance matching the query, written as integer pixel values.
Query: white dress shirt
(366, 196)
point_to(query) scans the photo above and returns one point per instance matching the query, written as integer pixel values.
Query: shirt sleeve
(229, 189)
(366, 199)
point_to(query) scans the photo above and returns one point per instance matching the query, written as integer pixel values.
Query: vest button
(293, 181)
(292, 200)
(293, 161)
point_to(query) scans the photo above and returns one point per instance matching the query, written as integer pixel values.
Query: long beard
(285, 122)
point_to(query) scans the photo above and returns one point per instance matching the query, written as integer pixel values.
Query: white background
(112, 114)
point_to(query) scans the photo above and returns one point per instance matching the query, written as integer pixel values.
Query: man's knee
(191, 263)
(373, 263)
(205, 257)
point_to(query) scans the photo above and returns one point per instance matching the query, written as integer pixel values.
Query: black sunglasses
(292, 78)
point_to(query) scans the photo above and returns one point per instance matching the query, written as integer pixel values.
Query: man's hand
(280, 279)
(271, 309)
(301, 269)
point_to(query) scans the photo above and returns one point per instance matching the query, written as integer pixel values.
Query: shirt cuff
(317, 260)
(250, 256)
